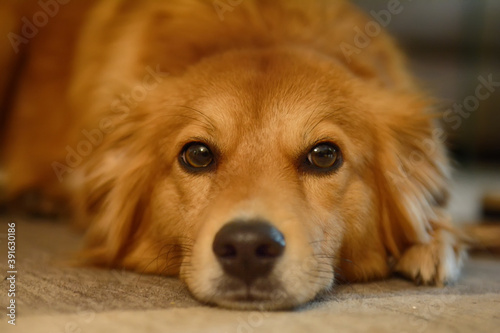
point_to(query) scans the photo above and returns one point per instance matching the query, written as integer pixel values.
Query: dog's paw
(437, 263)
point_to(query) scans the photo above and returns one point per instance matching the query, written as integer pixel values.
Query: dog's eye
(325, 157)
(196, 155)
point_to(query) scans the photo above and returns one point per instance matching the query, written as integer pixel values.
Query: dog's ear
(114, 191)
(412, 176)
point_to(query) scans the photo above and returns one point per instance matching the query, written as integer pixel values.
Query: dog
(250, 147)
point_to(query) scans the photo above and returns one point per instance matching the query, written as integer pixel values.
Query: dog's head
(262, 177)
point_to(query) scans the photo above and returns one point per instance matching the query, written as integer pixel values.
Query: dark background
(450, 43)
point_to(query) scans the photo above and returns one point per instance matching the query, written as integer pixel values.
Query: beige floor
(55, 298)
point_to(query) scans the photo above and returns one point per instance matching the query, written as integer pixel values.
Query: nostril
(248, 249)
(225, 251)
(262, 251)
(269, 251)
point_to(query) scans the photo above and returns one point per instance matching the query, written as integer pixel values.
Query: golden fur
(262, 85)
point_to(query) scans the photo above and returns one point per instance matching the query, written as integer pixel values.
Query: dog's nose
(248, 249)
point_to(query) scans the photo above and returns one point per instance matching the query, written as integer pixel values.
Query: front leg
(436, 263)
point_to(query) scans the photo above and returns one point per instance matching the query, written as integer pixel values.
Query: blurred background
(450, 44)
(453, 46)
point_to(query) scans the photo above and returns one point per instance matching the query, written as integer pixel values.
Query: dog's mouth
(247, 253)
(262, 294)
(255, 269)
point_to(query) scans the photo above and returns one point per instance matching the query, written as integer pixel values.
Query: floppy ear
(114, 191)
(412, 176)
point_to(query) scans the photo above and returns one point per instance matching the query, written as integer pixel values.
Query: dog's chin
(262, 295)
(253, 304)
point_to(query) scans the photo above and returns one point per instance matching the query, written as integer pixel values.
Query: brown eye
(197, 156)
(324, 156)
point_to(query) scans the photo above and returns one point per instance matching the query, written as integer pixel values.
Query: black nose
(248, 250)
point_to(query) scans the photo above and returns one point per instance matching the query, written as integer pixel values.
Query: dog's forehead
(274, 102)
(268, 100)
(237, 119)
(295, 116)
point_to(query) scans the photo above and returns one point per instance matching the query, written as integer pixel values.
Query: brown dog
(251, 147)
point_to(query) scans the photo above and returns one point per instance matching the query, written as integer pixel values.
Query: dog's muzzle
(248, 250)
